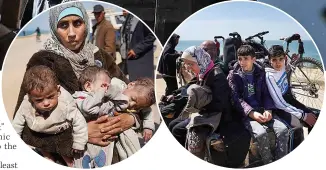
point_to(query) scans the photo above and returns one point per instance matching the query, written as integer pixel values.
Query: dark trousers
(171, 85)
(288, 97)
(178, 129)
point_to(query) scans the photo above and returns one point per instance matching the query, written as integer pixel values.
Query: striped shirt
(278, 85)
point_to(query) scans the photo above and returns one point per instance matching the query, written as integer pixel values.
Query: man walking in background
(137, 51)
(103, 32)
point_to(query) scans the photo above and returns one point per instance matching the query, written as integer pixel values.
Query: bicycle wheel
(307, 82)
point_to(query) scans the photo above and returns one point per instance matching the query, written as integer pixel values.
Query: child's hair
(246, 50)
(146, 85)
(275, 51)
(39, 78)
(90, 73)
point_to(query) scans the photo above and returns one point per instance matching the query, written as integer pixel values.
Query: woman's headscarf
(168, 63)
(202, 58)
(85, 57)
(170, 47)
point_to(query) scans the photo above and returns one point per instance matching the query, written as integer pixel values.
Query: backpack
(230, 48)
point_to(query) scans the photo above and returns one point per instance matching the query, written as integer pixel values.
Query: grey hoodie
(61, 118)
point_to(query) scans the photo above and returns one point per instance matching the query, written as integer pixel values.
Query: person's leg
(47, 155)
(197, 137)
(174, 123)
(196, 140)
(87, 160)
(295, 126)
(289, 119)
(260, 136)
(282, 136)
(83, 162)
(179, 130)
(171, 85)
(166, 79)
(69, 161)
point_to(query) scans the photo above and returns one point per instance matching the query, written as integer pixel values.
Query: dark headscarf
(167, 64)
(170, 47)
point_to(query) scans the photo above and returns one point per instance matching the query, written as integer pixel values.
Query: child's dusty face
(45, 100)
(246, 62)
(278, 62)
(102, 81)
(137, 99)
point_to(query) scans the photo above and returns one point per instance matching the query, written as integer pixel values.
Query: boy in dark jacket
(251, 98)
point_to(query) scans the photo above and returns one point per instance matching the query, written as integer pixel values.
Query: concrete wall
(170, 13)
(10, 13)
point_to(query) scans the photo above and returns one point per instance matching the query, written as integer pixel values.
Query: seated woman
(199, 62)
(67, 53)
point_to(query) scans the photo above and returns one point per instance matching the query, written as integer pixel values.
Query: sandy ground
(15, 64)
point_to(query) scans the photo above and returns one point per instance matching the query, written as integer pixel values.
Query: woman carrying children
(209, 116)
(67, 53)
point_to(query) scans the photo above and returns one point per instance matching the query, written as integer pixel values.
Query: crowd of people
(254, 95)
(75, 105)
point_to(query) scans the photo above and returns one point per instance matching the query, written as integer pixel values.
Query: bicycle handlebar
(294, 37)
(257, 35)
(233, 34)
(219, 37)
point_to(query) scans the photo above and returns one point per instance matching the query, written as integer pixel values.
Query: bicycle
(260, 47)
(303, 86)
(305, 75)
(298, 68)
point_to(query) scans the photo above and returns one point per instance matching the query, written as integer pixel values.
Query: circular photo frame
(72, 86)
(240, 84)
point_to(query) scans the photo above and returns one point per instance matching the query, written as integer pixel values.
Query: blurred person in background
(103, 31)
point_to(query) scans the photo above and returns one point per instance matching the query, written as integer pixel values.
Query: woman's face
(192, 65)
(71, 31)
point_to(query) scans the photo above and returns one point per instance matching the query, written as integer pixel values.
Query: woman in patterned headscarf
(67, 53)
(192, 132)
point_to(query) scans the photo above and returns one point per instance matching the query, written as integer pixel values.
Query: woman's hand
(94, 131)
(104, 128)
(117, 125)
